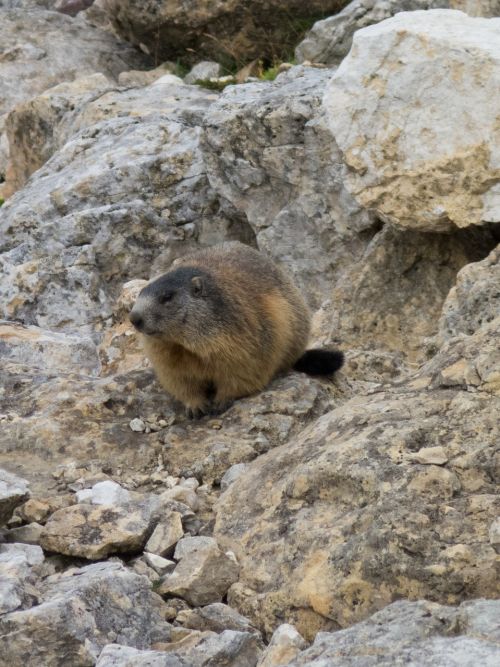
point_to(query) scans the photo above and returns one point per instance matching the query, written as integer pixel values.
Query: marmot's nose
(137, 321)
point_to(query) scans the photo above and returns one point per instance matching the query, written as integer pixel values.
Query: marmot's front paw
(208, 410)
(195, 413)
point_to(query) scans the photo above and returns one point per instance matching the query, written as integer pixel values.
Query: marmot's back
(272, 315)
(222, 323)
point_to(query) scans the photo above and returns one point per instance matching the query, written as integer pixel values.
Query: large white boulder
(414, 110)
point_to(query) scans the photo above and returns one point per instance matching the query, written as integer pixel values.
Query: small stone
(139, 566)
(13, 491)
(38, 509)
(175, 606)
(232, 474)
(137, 425)
(183, 495)
(29, 534)
(203, 574)
(166, 535)
(104, 493)
(160, 565)
(206, 69)
(430, 456)
(285, 644)
(216, 617)
(190, 483)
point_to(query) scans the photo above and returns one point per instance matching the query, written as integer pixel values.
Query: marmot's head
(183, 306)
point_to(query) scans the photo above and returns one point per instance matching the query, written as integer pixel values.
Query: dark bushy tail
(320, 362)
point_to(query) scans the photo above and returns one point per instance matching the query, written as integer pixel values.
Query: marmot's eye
(164, 298)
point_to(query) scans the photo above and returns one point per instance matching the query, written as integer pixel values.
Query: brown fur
(265, 333)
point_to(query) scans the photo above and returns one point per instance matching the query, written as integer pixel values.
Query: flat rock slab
(204, 649)
(95, 531)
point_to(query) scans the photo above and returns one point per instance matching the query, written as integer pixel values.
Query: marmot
(221, 323)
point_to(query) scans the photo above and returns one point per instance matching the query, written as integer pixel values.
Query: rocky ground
(346, 522)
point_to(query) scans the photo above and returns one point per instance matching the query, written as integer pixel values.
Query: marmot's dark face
(181, 306)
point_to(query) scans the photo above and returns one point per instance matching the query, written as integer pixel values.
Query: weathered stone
(182, 495)
(416, 633)
(41, 48)
(206, 69)
(80, 612)
(145, 77)
(430, 455)
(81, 229)
(215, 617)
(494, 534)
(204, 572)
(228, 649)
(17, 577)
(285, 644)
(435, 173)
(94, 531)
(13, 491)
(37, 510)
(39, 348)
(166, 534)
(29, 534)
(160, 565)
(232, 474)
(343, 521)
(217, 29)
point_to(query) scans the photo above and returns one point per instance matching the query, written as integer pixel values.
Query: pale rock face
(91, 218)
(474, 300)
(166, 534)
(416, 633)
(41, 48)
(388, 108)
(104, 493)
(44, 349)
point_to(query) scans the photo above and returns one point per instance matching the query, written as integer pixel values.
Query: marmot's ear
(197, 286)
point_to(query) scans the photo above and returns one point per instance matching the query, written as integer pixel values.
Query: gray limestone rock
(79, 612)
(412, 633)
(204, 572)
(94, 531)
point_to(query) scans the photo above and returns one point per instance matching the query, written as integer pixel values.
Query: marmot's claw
(194, 413)
(217, 409)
